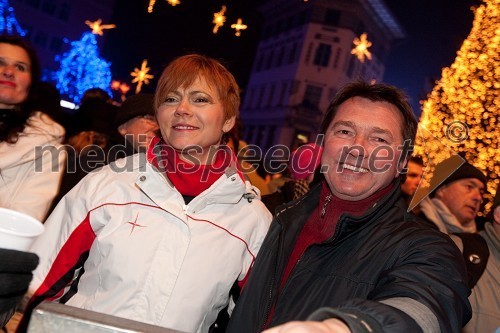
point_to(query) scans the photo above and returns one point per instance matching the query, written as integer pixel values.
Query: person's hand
(327, 326)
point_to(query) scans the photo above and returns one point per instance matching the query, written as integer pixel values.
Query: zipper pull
(327, 201)
(185, 208)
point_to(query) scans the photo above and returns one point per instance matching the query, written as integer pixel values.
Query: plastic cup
(18, 230)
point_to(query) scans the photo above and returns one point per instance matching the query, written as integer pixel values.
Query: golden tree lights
(97, 27)
(361, 47)
(141, 75)
(219, 19)
(462, 113)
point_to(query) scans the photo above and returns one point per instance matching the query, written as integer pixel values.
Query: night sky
(435, 31)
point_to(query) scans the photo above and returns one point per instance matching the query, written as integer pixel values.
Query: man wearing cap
(485, 297)
(456, 198)
(135, 121)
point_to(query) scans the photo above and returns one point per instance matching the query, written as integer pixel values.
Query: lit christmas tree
(462, 113)
(82, 69)
(8, 21)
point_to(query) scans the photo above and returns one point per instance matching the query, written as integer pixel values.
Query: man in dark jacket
(348, 257)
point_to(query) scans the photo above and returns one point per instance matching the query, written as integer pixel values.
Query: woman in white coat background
(31, 157)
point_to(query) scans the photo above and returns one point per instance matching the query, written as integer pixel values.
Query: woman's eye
(22, 68)
(170, 100)
(201, 100)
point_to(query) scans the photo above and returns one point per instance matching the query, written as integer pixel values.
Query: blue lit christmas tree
(81, 68)
(8, 21)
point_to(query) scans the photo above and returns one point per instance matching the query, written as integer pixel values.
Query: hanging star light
(141, 75)
(238, 26)
(361, 49)
(171, 2)
(150, 6)
(219, 19)
(97, 27)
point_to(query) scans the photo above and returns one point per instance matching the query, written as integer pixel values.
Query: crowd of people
(152, 212)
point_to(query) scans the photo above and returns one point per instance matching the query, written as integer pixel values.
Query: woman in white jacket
(160, 237)
(31, 157)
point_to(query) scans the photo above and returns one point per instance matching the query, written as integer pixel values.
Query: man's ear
(229, 124)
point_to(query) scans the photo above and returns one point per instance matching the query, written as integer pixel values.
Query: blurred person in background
(303, 164)
(31, 158)
(135, 125)
(415, 170)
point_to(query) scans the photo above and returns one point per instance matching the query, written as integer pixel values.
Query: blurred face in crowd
(15, 75)
(463, 198)
(413, 177)
(362, 148)
(139, 130)
(193, 117)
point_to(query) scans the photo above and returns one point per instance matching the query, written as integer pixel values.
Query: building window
(322, 56)
(33, 3)
(269, 62)
(249, 98)
(260, 63)
(281, 97)
(40, 39)
(260, 98)
(64, 12)
(56, 44)
(49, 7)
(309, 51)
(270, 96)
(292, 55)
(279, 58)
(312, 95)
(337, 58)
(352, 66)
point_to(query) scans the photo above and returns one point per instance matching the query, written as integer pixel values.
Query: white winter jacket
(30, 173)
(151, 258)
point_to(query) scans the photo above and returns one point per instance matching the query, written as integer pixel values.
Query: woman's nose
(183, 108)
(7, 71)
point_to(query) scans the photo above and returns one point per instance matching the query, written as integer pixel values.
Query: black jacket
(387, 256)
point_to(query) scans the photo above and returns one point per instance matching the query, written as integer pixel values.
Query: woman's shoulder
(41, 124)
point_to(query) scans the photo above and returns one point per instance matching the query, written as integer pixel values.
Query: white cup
(18, 230)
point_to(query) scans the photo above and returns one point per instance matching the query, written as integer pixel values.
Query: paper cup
(18, 230)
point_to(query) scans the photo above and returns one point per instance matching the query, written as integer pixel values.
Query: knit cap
(134, 106)
(449, 171)
(304, 160)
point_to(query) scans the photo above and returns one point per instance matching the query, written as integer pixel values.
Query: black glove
(16, 269)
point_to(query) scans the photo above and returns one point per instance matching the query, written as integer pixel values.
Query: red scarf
(189, 179)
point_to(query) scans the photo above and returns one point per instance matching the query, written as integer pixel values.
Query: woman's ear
(229, 124)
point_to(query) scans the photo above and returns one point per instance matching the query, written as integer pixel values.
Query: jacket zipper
(270, 301)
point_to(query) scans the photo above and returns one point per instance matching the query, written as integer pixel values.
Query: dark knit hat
(452, 169)
(134, 106)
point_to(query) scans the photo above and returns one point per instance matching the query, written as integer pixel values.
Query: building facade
(303, 57)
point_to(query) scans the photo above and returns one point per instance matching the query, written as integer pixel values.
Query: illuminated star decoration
(152, 3)
(219, 19)
(97, 27)
(141, 75)
(361, 49)
(238, 26)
